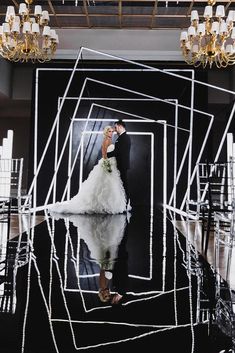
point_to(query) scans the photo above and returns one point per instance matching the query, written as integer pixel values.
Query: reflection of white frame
(66, 260)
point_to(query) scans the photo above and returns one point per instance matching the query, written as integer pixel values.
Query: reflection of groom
(122, 154)
(120, 270)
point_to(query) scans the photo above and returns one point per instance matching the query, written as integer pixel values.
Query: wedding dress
(102, 192)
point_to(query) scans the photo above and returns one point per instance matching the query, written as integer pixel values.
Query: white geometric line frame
(118, 87)
(94, 105)
(169, 72)
(37, 167)
(169, 101)
(70, 169)
(126, 113)
(144, 120)
(63, 148)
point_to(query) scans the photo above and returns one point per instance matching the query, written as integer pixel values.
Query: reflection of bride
(102, 234)
(102, 191)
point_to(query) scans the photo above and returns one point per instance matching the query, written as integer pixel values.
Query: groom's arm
(115, 152)
(111, 154)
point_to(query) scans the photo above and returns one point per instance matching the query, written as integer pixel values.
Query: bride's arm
(105, 145)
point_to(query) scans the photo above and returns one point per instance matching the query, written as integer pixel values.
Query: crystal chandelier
(210, 42)
(27, 37)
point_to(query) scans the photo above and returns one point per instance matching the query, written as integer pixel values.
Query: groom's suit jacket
(122, 152)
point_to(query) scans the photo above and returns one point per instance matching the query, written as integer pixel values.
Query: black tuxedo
(122, 154)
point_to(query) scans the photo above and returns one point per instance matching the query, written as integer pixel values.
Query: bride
(103, 191)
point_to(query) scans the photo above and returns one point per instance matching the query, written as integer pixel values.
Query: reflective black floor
(173, 300)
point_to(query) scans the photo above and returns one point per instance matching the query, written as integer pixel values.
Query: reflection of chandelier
(210, 42)
(27, 37)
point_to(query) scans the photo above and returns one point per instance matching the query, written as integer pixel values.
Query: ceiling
(128, 14)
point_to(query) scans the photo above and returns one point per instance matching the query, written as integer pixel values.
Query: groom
(122, 154)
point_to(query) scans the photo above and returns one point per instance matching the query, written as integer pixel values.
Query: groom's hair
(120, 122)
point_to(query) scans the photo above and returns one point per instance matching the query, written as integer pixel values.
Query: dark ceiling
(119, 14)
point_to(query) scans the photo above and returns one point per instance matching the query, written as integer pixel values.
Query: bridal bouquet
(107, 165)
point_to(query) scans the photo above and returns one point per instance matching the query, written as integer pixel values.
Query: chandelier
(27, 37)
(210, 42)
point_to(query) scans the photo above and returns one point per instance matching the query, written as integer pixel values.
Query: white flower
(107, 165)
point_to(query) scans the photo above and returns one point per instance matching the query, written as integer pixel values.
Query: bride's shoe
(116, 298)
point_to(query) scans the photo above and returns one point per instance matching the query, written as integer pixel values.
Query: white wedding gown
(102, 192)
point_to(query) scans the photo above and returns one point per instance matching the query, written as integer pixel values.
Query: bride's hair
(106, 130)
